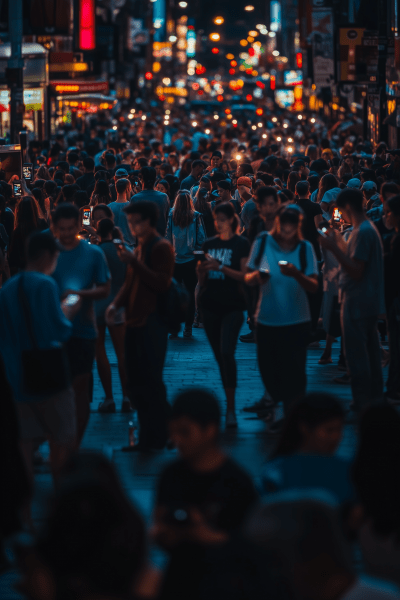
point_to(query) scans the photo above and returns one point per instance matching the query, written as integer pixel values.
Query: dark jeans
(393, 382)
(222, 332)
(145, 349)
(363, 358)
(282, 356)
(186, 273)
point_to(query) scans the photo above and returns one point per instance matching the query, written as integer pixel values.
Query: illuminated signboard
(87, 39)
(276, 18)
(293, 77)
(78, 87)
(284, 98)
(191, 43)
(171, 91)
(33, 99)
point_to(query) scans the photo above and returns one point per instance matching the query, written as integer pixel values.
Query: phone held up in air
(17, 189)
(337, 215)
(71, 299)
(27, 171)
(86, 215)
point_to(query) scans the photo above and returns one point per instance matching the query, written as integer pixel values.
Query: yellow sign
(69, 67)
(174, 91)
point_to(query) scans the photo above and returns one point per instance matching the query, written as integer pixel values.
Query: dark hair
(165, 183)
(197, 405)
(293, 178)
(198, 163)
(265, 192)
(88, 163)
(183, 211)
(302, 188)
(38, 243)
(327, 182)
(72, 157)
(246, 168)
(80, 198)
(389, 188)
(105, 208)
(93, 516)
(50, 187)
(226, 208)
(266, 178)
(109, 158)
(313, 410)
(288, 213)
(122, 185)
(149, 176)
(63, 166)
(147, 210)
(224, 184)
(350, 197)
(105, 227)
(65, 211)
(59, 175)
(394, 205)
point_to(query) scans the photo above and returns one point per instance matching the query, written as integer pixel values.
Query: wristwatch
(221, 266)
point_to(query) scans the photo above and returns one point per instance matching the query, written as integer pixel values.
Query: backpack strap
(303, 256)
(261, 249)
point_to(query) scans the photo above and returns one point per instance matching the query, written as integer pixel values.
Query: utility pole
(14, 72)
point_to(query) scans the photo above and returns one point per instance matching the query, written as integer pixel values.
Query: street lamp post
(14, 71)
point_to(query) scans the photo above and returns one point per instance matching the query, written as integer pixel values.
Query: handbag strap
(26, 311)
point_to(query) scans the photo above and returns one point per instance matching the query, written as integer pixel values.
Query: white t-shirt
(369, 588)
(282, 300)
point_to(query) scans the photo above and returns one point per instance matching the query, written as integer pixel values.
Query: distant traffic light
(148, 75)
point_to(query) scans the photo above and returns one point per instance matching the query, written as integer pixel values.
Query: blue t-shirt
(121, 221)
(50, 327)
(80, 269)
(282, 300)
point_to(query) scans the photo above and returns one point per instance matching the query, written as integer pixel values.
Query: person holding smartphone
(284, 265)
(221, 299)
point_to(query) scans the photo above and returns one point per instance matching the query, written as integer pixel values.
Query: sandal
(324, 361)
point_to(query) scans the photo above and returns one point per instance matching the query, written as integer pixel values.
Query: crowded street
(199, 300)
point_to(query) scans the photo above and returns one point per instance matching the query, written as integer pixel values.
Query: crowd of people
(136, 236)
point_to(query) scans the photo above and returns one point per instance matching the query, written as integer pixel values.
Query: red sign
(73, 86)
(87, 37)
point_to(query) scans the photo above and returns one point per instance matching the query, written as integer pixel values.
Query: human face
(215, 161)
(138, 226)
(288, 233)
(224, 194)
(223, 224)
(190, 438)
(66, 230)
(98, 215)
(267, 207)
(322, 439)
(161, 188)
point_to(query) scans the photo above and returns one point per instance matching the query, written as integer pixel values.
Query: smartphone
(86, 216)
(282, 262)
(263, 271)
(119, 243)
(27, 171)
(200, 255)
(17, 190)
(71, 299)
(337, 215)
(209, 257)
(322, 231)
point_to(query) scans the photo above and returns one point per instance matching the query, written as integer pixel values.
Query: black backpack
(173, 304)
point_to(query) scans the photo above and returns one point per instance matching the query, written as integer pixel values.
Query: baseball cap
(244, 181)
(369, 185)
(225, 184)
(121, 173)
(354, 183)
(331, 195)
(216, 153)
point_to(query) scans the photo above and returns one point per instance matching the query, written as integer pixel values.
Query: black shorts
(81, 355)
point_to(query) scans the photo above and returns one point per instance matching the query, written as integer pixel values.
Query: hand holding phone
(199, 254)
(17, 188)
(27, 171)
(86, 214)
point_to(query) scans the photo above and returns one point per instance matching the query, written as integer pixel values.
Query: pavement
(189, 363)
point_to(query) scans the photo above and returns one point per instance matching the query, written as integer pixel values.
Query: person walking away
(221, 299)
(185, 231)
(81, 270)
(285, 268)
(87, 178)
(107, 232)
(148, 176)
(123, 188)
(33, 295)
(198, 167)
(149, 276)
(361, 288)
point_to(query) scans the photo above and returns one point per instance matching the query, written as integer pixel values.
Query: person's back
(88, 177)
(117, 207)
(149, 194)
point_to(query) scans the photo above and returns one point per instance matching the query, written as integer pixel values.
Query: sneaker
(231, 421)
(107, 406)
(248, 338)
(344, 379)
(126, 405)
(187, 333)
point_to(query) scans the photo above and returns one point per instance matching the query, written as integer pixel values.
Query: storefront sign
(33, 99)
(78, 87)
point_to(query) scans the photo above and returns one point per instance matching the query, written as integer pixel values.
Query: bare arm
(353, 266)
